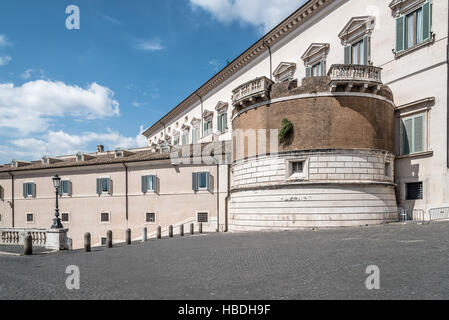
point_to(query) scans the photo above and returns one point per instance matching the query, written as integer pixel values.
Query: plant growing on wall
(286, 131)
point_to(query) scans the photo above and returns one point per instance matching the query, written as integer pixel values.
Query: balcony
(252, 92)
(360, 78)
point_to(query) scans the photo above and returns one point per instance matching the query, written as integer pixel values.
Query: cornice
(298, 18)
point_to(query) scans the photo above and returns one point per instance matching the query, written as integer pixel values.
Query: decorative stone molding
(356, 29)
(315, 53)
(252, 91)
(195, 122)
(55, 239)
(185, 127)
(401, 7)
(222, 107)
(208, 115)
(285, 71)
(366, 78)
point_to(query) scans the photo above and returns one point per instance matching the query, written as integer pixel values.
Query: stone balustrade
(358, 76)
(251, 91)
(42, 238)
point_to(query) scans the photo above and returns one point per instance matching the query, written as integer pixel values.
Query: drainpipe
(447, 90)
(202, 121)
(218, 197)
(271, 61)
(227, 198)
(126, 192)
(12, 198)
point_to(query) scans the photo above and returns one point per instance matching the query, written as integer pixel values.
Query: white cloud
(33, 106)
(150, 45)
(4, 41)
(264, 14)
(5, 60)
(215, 64)
(27, 74)
(56, 143)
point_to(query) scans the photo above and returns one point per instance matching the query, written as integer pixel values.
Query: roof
(298, 18)
(109, 159)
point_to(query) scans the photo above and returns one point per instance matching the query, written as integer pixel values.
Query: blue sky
(64, 91)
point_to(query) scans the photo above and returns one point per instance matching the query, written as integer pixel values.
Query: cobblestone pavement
(330, 264)
(19, 250)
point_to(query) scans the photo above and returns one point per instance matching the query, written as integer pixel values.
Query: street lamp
(56, 221)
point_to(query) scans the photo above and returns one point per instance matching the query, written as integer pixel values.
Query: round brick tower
(334, 164)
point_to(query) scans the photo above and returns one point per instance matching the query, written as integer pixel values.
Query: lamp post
(56, 221)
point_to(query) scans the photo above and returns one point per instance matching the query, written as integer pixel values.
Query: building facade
(337, 117)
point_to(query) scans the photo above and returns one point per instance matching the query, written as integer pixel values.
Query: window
(185, 138)
(66, 188)
(388, 170)
(208, 127)
(284, 72)
(65, 217)
(103, 241)
(104, 185)
(413, 28)
(201, 181)
(2, 194)
(0, 218)
(413, 134)
(414, 191)
(297, 169)
(356, 37)
(150, 217)
(222, 122)
(30, 217)
(104, 217)
(176, 141)
(149, 184)
(203, 217)
(195, 135)
(315, 59)
(29, 190)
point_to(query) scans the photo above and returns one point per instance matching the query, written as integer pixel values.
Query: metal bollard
(181, 230)
(128, 236)
(144, 235)
(201, 227)
(192, 229)
(159, 232)
(28, 245)
(109, 239)
(170, 231)
(87, 242)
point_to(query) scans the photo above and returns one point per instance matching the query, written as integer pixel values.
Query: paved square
(331, 264)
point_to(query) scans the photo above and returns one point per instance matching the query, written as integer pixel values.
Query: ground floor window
(103, 241)
(30, 217)
(150, 217)
(65, 217)
(104, 217)
(0, 218)
(203, 217)
(414, 191)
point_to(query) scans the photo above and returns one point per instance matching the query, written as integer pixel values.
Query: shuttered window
(203, 217)
(104, 185)
(208, 127)
(149, 184)
(65, 188)
(29, 190)
(201, 181)
(414, 191)
(414, 28)
(185, 139)
(413, 135)
(359, 52)
(222, 122)
(195, 135)
(2, 194)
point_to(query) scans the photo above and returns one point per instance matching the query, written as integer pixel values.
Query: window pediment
(356, 28)
(285, 71)
(400, 7)
(222, 107)
(208, 115)
(185, 127)
(315, 53)
(195, 122)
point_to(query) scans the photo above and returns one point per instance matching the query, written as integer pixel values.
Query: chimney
(100, 148)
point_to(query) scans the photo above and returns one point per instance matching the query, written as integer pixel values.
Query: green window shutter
(308, 72)
(366, 50)
(208, 182)
(33, 189)
(427, 20)
(407, 136)
(418, 134)
(225, 120)
(195, 181)
(144, 184)
(109, 182)
(61, 188)
(154, 183)
(98, 186)
(348, 54)
(69, 188)
(25, 190)
(323, 68)
(219, 123)
(400, 34)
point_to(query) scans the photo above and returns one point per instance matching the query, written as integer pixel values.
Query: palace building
(337, 117)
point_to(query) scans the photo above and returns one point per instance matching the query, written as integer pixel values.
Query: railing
(439, 214)
(17, 236)
(256, 87)
(351, 73)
